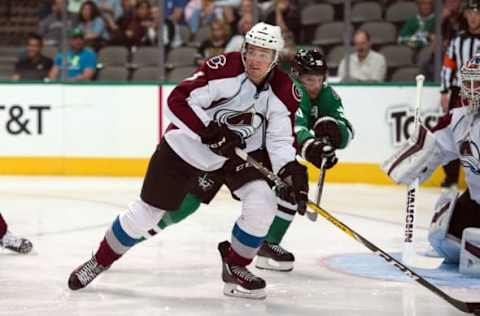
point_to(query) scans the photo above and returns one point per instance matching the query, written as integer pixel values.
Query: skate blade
(236, 290)
(270, 264)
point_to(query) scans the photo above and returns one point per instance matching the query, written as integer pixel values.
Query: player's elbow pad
(417, 158)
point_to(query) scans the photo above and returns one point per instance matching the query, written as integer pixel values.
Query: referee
(460, 49)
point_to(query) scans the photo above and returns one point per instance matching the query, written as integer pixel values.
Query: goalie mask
(470, 84)
(309, 62)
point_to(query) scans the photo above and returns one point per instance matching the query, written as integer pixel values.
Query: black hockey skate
(239, 281)
(85, 274)
(14, 243)
(274, 257)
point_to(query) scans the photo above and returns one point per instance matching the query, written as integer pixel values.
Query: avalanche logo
(245, 123)
(217, 62)
(469, 156)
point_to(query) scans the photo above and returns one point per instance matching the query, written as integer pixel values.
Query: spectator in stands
(453, 20)
(168, 29)
(201, 12)
(32, 65)
(110, 10)
(417, 30)
(80, 61)
(452, 24)
(286, 15)
(92, 25)
(174, 11)
(128, 8)
(74, 6)
(136, 29)
(365, 64)
(215, 44)
(235, 43)
(246, 7)
(44, 9)
(52, 26)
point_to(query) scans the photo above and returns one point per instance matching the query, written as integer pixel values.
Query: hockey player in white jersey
(456, 136)
(234, 100)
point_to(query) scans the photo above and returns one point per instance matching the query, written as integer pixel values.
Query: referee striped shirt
(460, 49)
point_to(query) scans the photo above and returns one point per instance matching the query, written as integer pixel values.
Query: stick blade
(408, 254)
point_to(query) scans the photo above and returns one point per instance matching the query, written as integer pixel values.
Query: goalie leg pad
(470, 252)
(417, 158)
(444, 243)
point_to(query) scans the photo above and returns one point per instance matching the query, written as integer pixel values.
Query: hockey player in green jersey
(320, 128)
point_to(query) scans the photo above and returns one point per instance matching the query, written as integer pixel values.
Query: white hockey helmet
(266, 36)
(470, 83)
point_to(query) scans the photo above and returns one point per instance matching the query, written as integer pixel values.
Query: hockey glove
(221, 140)
(296, 189)
(315, 150)
(327, 128)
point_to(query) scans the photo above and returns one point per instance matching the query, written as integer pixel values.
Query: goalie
(455, 228)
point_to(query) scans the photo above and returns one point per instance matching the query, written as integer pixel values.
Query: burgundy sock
(235, 258)
(105, 254)
(3, 226)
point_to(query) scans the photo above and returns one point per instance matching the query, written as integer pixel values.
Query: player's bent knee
(259, 207)
(140, 218)
(257, 195)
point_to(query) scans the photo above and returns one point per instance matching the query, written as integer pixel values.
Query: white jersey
(221, 91)
(458, 135)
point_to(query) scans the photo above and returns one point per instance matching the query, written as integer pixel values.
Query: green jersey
(416, 31)
(327, 103)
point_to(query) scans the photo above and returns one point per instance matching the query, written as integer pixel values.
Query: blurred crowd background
(150, 40)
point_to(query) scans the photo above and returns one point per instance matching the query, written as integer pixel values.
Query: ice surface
(178, 271)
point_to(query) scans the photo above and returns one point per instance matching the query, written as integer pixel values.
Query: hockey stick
(321, 180)
(467, 307)
(408, 253)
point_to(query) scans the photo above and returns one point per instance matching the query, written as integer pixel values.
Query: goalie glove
(417, 158)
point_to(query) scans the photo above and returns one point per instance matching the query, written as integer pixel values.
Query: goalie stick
(408, 253)
(467, 307)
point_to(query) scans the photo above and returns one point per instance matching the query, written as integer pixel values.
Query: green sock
(189, 205)
(277, 230)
